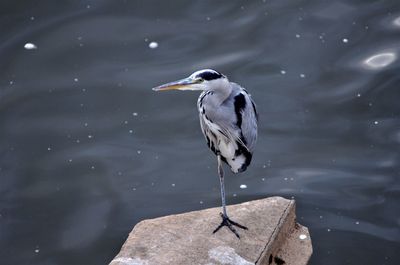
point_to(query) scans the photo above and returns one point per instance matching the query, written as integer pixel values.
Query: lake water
(87, 149)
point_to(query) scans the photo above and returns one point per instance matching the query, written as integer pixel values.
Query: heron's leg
(222, 185)
(225, 219)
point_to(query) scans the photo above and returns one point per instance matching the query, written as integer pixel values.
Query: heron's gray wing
(236, 117)
(249, 122)
(245, 115)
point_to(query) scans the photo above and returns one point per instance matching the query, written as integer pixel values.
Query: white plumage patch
(226, 147)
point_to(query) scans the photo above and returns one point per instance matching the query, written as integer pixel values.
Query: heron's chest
(217, 136)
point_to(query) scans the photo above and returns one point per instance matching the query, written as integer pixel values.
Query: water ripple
(380, 60)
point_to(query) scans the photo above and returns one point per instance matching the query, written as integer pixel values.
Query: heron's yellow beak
(183, 84)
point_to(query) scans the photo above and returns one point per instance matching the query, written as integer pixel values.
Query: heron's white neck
(221, 87)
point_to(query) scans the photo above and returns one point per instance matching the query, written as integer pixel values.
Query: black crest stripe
(209, 75)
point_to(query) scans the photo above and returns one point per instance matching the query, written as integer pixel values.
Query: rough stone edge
(296, 250)
(281, 232)
(283, 238)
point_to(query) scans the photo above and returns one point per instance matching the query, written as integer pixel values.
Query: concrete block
(273, 237)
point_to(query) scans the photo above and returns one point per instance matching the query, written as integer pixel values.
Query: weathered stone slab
(273, 237)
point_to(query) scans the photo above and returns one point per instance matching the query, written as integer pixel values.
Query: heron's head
(206, 79)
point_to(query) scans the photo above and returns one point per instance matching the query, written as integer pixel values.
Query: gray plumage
(228, 120)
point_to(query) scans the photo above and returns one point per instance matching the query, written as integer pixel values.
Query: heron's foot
(229, 223)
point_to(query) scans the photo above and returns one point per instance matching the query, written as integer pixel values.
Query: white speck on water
(234, 195)
(380, 60)
(30, 46)
(263, 179)
(328, 229)
(76, 79)
(139, 152)
(32, 18)
(88, 6)
(48, 148)
(227, 255)
(283, 72)
(133, 189)
(208, 18)
(83, 89)
(243, 186)
(153, 45)
(357, 222)
(285, 179)
(86, 124)
(302, 236)
(302, 75)
(320, 217)
(11, 82)
(297, 35)
(119, 173)
(126, 122)
(358, 95)
(70, 160)
(135, 114)
(201, 202)
(130, 131)
(90, 136)
(345, 40)
(77, 141)
(37, 250)
(376, 122)
(173, 184)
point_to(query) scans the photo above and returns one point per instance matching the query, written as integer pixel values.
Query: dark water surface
(87, 150)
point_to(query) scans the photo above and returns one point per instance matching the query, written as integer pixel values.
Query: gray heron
(228, 120)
